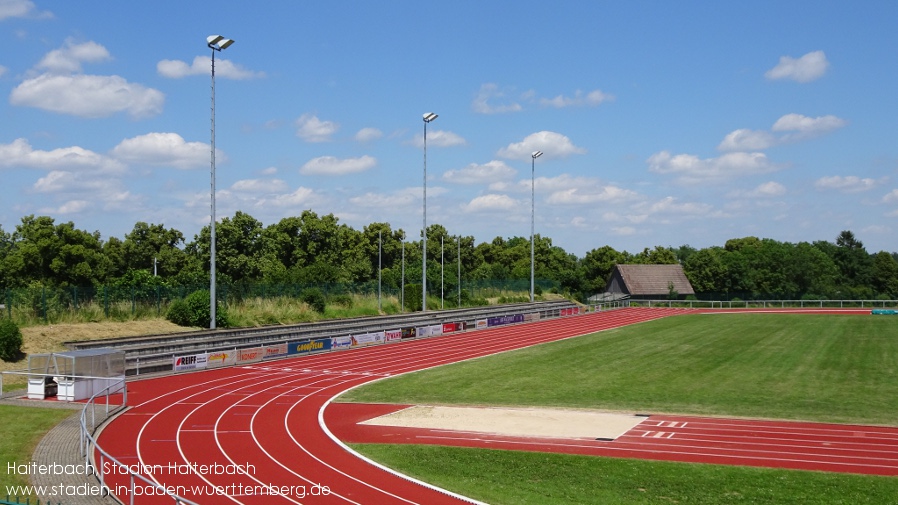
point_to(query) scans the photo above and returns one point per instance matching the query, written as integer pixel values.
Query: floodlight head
(430, 116)
(536, 154)
(218, 42)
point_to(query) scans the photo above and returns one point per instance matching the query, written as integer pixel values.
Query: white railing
(737, 304)
(89, 445)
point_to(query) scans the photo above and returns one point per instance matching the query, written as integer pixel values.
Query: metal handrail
(88, 441)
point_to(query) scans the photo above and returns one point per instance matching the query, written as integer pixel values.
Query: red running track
(776, 444)
(263, 421)
(266, 421)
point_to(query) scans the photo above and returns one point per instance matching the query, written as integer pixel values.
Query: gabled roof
(650, 279)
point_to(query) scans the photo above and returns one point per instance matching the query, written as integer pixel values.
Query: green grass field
(518, 478)
(21, 428)
(813, 367)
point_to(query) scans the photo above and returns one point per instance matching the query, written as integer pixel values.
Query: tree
(596, 267)
(853, 260)
(885, 274)
(54, 254)
(150, 246)
(707, 270)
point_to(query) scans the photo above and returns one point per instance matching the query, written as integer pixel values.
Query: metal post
(428, 117)
(402, 282)
(532, 221)
(459, 271)
(380, 249)
(424, 234)
(442, 274)
(212, 222)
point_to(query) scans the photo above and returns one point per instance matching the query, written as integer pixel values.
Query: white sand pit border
(518, 422)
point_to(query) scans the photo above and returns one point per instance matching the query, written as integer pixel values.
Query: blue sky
(662, 123)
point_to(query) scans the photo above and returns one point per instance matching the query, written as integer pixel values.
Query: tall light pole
(380, 265)
(536, 154)
(428, 117)
(216, 43)
(459, 271)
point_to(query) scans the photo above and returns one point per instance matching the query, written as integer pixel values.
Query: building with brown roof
(648, 282)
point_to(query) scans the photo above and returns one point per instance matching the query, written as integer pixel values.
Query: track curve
(251, 434)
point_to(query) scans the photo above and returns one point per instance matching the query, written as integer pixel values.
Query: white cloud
(489, 92)
(807, 127)
(691, 168)
(3, 70)
(892, 196)
(807, 68)
(302, 198)
(64, 181)
(168, 149)
(492, 203)
(623, 230)
(402, 198)
(329, 165)
(312, 129)
(20, 154)
(21, 9)
(439, 138)
(670, 205)
(202, 65)
(747, 140)
(480, 174)
(791, 128)
(553, 145)
(260, 186)
(591, 99)
(591, 195)
(847, 184)
(68, 59)
(89, 96)
(368, 134)
(767, 190)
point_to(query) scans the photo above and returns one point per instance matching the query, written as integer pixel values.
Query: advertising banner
(409, 332)
(393, 335)
(275, 351)
(189, 362)
(222, 358)
(531, 317)
(450, 328)
(341, 342)
(368, 339)
(480, 324)
(500, 320)
(424, 331)
(436, 330)
(252, 355)
(308, 346)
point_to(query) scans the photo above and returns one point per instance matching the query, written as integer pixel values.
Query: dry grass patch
(50, 338)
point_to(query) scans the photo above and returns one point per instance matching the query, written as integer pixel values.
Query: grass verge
(519, 478)
(813, 367)
(21, 428)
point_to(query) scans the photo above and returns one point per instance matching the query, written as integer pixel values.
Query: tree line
(317, 250)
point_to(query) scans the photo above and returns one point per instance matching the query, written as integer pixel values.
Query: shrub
(10, 341)
(342, 300)
(412, 296)
(314, 298)
(195, 311)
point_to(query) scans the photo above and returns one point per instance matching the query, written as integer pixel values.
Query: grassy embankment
(812, 367)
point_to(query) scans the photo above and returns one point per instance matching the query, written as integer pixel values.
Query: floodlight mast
(536, 154)
(216, 43)
(428, 117)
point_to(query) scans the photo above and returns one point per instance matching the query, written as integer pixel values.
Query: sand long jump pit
(516, 422)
